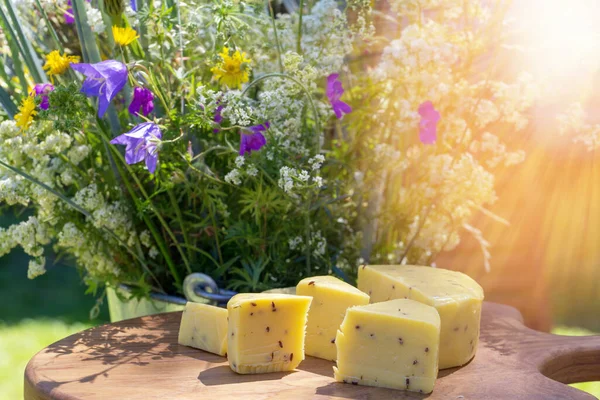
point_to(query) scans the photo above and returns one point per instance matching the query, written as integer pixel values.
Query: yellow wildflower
(26, 112)
(233, 70)
(124, 36)
(57, 64)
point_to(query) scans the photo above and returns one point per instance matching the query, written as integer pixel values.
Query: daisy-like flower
(26, 112)
(124, 36)
(142, 144)
(142, 98)
(57, 64)
(233, 69)
(428, 124)
(103, 80)
(334, 92)
(43, 89)
(254, 141)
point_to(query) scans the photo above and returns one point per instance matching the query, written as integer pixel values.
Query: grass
(19, 342)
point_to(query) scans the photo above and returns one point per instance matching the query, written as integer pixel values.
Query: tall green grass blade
(15, 50)
(29, 55)
(7, 104)
(87, 40)
(57, 42)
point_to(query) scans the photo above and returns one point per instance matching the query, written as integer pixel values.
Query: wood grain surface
(140, 359)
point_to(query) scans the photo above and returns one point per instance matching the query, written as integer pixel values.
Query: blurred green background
(36, 313)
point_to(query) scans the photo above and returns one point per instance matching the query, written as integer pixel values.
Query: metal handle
(201, 288)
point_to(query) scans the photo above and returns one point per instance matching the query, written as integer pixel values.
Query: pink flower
(428, 124)
(334, 92)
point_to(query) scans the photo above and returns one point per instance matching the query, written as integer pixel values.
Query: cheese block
(456, 297)
(266, 332)
(331, 297)
(393, 344)
(204, 327)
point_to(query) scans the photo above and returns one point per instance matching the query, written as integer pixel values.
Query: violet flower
(334, 92)
(142, 98)
(254, 141)
(104, 80)
(69, 18)
(141, 142)
(133, 4)
(428, 124)
(43, 89)
(218, 117)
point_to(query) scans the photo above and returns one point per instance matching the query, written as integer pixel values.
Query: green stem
(277, 44)
(49, 25)
(306, 92)
(162, 246)
(299, 38)
(175, 206)
(307, 238)
(214, 222)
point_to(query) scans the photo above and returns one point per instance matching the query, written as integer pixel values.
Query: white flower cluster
(31, 235)
(291, 178)
(39, 151)
(242, 169)
(94, 17)
(573, 122)
(495, 151)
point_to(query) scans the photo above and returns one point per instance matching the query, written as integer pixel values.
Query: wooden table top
(140, 359)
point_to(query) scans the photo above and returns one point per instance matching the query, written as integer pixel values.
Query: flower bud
(114, 8)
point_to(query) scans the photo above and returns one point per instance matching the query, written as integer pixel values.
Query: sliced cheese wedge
(266, 332)
(393, 344)
(204, 327)
(331, 298)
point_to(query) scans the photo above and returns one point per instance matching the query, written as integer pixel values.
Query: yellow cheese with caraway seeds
(204, 327)
(393, 344)
(266, 332)
(331, 298)
(457, 298)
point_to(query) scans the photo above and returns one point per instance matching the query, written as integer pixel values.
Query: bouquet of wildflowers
(253, 141)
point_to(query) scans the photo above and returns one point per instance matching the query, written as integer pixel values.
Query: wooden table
(140, 359)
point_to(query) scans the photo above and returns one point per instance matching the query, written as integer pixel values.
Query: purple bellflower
(142, 98)
(428, 124)
(142, 144)
(42, 89)
(103, 80)
(218, 117)
(334, 92)
(133, 4)
(254, 141)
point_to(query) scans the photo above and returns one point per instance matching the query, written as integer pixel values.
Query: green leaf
(7, 103)
(87, 40)
(29, 55)
(15, 50)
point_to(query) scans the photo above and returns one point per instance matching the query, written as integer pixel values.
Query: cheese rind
(204, 327)
(393, 344)
(331, 298)
(266, 332)
(457, 298)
